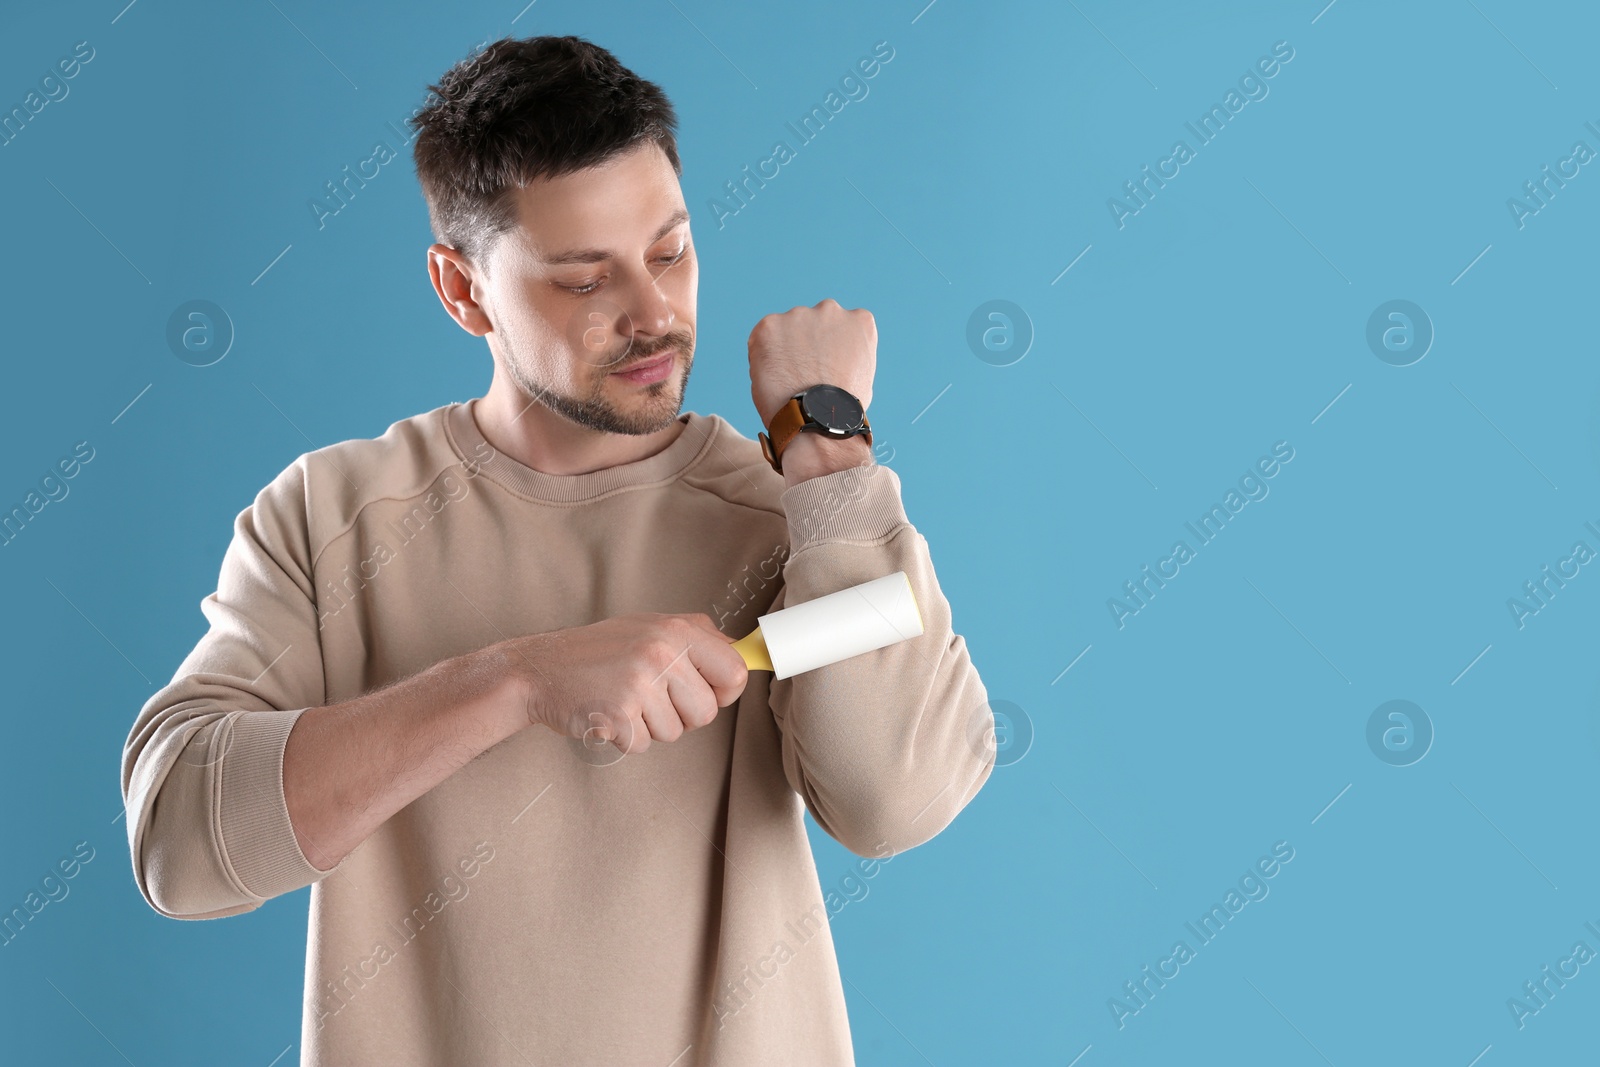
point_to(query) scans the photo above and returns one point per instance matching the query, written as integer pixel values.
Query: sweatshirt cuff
(856, 504)
(257, 838)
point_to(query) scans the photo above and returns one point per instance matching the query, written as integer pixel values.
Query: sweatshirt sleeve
(887, 747)
(202, 769)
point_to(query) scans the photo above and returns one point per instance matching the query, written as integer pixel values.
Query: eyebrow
(596, 255)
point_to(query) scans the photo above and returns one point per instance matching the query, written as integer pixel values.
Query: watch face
(833, 407)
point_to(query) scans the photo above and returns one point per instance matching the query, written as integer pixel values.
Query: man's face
(598, 278)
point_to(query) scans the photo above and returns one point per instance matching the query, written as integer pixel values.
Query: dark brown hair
(521, 110)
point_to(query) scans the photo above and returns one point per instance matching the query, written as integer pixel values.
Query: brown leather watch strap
(785, 424)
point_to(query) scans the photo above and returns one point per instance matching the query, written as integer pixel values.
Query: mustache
(634, 355)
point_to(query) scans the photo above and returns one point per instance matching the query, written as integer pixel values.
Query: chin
(654, 413)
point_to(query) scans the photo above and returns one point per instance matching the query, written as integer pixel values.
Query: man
(461, 680)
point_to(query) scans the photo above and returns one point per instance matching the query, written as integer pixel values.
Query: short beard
(595, 412)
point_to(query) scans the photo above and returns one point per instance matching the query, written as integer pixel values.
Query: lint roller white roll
(853, 621)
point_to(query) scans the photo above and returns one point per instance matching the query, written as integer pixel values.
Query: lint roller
(853, 621)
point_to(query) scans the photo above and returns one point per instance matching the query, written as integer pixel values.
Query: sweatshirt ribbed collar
(690, 446)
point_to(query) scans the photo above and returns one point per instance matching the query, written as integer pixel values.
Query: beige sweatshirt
(552, 903)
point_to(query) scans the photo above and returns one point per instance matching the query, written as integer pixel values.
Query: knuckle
(641, 679)
(658, 652)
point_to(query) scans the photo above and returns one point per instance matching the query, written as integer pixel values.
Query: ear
(453, 276)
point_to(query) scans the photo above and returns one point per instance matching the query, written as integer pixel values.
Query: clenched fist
(806, 346)
(654, 676)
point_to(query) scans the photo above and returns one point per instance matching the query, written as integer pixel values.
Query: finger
(694, 702)
(628, 733)
(592, 729)
(710, 653)
(661, 717)
(719, 665)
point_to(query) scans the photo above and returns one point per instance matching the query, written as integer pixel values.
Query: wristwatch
(824, 409)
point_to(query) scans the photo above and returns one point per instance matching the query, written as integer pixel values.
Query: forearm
(887, 746)
(349, 766)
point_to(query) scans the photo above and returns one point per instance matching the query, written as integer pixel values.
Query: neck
(533, 435)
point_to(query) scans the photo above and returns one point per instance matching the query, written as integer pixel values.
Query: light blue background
(1224, 317)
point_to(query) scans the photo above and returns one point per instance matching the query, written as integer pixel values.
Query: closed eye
(590, 287)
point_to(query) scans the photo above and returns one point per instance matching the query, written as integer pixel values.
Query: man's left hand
(820, 345)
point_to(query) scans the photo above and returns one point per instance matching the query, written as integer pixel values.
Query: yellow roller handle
(753, 647)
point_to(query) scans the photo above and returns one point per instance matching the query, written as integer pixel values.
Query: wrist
(811, 455)
(501, 692)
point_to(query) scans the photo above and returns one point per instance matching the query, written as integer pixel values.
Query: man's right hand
(630, 680)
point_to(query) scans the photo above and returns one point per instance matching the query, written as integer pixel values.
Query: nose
(648, 309)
